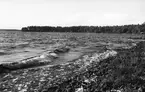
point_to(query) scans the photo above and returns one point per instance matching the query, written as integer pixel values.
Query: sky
(16, 14)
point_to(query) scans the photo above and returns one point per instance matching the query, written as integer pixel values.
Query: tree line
(139, 28)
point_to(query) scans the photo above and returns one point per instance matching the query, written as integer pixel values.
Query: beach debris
(80, 89)
(61, 50)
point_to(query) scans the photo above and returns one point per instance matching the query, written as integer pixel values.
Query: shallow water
(19, 54)
(76, 54)
(64, 58)
(17, 45)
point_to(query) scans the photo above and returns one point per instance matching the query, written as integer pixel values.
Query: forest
(139, 28)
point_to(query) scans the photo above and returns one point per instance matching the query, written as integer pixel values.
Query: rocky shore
(107, 71)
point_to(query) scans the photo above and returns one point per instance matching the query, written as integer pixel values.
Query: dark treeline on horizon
(92, 29)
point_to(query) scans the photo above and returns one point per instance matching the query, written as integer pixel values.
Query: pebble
(79, 89)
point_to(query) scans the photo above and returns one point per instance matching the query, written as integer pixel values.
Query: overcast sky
(20, 13)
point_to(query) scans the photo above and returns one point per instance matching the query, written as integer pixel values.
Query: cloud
(114, 16)
(19, 13)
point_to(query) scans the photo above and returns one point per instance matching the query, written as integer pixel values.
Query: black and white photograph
(72, 45)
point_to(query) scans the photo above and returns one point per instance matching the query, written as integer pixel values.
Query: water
(17, 45)
(67, 57)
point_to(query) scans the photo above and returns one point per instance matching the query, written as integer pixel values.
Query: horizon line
(69, 26)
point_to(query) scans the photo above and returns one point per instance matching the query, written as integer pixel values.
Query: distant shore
(132, 28)
(10, 30)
